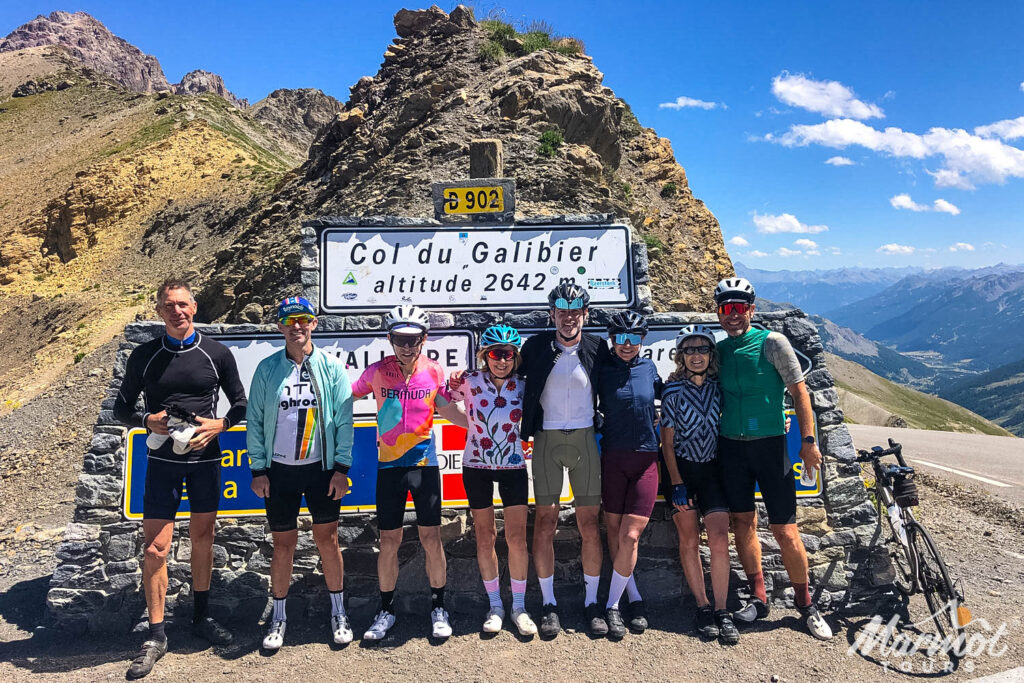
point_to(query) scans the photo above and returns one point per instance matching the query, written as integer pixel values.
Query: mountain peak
(92, 43)
(198, 82)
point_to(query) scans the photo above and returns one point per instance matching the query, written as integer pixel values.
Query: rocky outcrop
(296, 115)
(94, 45)
(198, 82)
(411, 124)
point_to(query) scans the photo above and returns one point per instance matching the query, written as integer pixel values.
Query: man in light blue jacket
(299, 435)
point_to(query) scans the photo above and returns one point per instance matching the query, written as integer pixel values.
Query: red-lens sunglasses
(734, 307)
(501, 354)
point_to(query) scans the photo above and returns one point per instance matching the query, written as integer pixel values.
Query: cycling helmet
(406, 319)
(695, 331)
(500, 335)
(734, 289)
(627, 321)
(568, 295)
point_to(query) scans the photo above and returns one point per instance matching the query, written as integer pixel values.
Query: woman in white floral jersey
(494, 455)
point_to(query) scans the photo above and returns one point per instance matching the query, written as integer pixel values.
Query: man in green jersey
(757, 366)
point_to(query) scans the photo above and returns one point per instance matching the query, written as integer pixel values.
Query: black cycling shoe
(751, 612)
(637, 616)
(210, 630)
(550, 626)
(706, 625)
(727, 631)
(152, 650)
(616, 627)
(596, 625)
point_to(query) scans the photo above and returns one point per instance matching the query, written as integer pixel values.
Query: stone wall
(96, 583)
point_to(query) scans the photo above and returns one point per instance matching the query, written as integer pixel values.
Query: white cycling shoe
(492, 623)
(816, 623)
(524, 623)
(275, 635)
(379, 628)
(442, 628)
(341, 629)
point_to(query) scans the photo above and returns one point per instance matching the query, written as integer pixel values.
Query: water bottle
(897, 523)
(807, 477)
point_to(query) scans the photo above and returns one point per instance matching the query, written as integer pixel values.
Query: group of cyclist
(719, 432)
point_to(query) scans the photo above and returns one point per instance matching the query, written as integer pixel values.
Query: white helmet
(734, 289)
(695, 331)
(406, 319)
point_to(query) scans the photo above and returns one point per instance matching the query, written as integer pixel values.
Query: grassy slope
(921, 411)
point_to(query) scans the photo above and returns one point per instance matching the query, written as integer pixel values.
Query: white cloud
(893, 249)
(785, 222)
(738, 241)
(757, 253)
(830, 98)
(783, 251)
(962, 246)
(806, 243)
(835, 251)
(839, 161)
(903, 201)
(1009, 129)
(967, 159)
(1022, 86)
(682, 102)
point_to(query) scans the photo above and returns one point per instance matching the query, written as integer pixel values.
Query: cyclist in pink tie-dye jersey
(408, 387)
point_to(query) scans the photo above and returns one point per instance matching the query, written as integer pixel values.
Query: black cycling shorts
(394, 484)
(765, 462)
(704, 483)
(513, 486)
(288, 484)
(164, 487)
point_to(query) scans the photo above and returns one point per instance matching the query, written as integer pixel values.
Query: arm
(209, 428)
(343, 436)
(809, 452)
(254, 434)
(364, 385)
(128, 396)
(454, 413)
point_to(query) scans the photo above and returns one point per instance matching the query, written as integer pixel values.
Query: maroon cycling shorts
(629, 482)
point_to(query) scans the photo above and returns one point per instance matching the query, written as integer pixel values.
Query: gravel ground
(983, 544)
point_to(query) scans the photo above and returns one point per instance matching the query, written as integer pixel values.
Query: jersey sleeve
(233, 389)
(129, 391)
(444, 393)
(780, 354)
(259, 463)
(669, 405)
(344, 435)
(364, 385)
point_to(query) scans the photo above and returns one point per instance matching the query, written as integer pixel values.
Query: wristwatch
(808, 439)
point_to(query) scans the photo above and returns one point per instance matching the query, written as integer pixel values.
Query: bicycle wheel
(944, 601)
(900, 554)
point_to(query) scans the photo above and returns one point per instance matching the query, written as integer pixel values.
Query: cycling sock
(201, 600)
(437, 597)
(386, 598)
(280, 605)
(156, 632)
(591, 583)
(757, 586)
(615, 589)
(632, 591)
(493, 592)
(337, 603)
(547, 589)
(802, 594)
(518, 594)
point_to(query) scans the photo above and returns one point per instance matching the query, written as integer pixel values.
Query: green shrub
(498, 30)
(568, 45)
(626, 188)
(493, 52)
(550, 141)
(668, 190)
(79, 356)
(629, 126)
(535, 40)
(653, 243)
(38, 277)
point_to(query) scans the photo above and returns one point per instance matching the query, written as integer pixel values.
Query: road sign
(471, 268)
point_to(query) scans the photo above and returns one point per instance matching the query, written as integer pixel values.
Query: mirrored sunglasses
(298, 320)
(734, 307)
(628, 338)
(573, 305)
(501, 354)
(405, 340)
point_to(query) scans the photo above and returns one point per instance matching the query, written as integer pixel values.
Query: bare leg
(437, 565)
(744, 527)
(689, 553)
(200, 531)
(590, 531)
(717, 525)
(544, 540)
(326, 537)
(158, 535)
(486, 533)
(794, 555)
(515, 537)
(387, 562)
(281, 563)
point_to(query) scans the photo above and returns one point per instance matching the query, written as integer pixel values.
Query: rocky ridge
(296, 115)
(411, 124)
(197, 82)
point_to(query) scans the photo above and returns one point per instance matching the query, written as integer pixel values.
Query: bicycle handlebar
(877, 452)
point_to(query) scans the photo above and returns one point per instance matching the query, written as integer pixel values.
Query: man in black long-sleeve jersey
(186, 369)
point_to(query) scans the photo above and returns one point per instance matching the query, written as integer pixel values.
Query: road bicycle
(918, 562)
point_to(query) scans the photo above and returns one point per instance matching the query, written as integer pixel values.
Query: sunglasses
(303, 320)
(501, 354)
(628, 338)
(694, 350)
(734, 307)
(405, 340)
(575, 304)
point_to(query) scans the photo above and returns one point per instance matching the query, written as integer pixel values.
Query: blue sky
(918, 105)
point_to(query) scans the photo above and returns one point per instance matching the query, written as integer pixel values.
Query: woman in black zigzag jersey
(690, 415)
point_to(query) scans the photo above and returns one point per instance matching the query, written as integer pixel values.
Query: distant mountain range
(817, 291)
(997, 394)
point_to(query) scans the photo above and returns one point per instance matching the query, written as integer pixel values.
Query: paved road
(994, 463)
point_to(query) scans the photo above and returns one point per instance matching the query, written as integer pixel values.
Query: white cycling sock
(615, 589)
(631, 590)
(591, 583)
(547, 589)
(337, 603)
(279, 609)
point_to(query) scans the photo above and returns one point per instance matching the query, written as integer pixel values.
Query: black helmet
(568, 295)
(627, 321)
